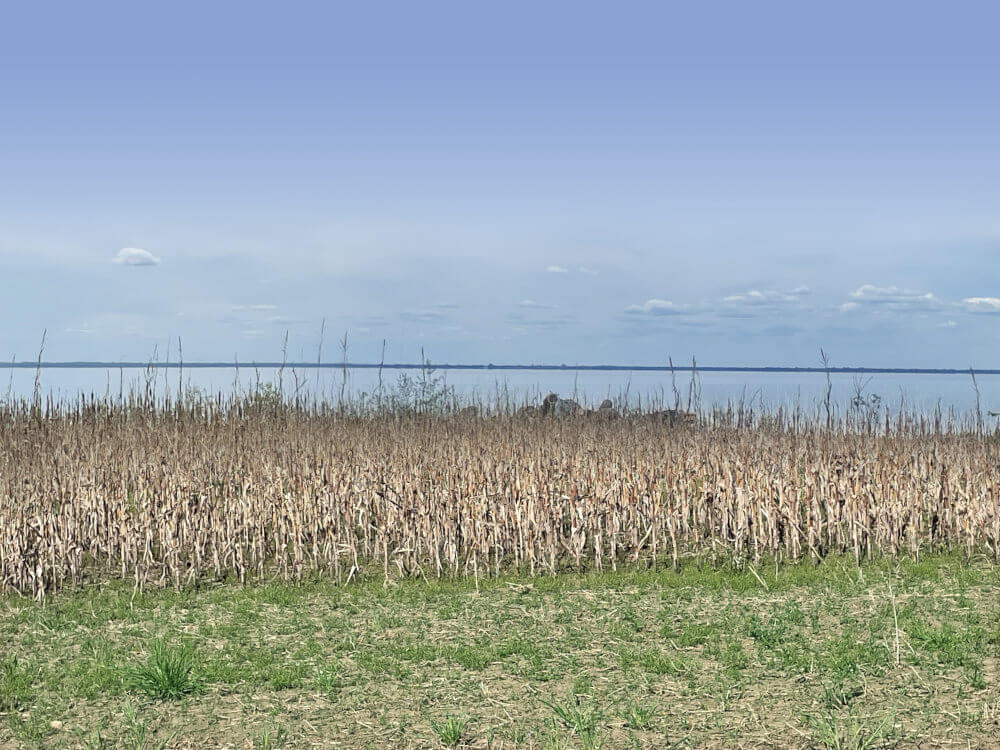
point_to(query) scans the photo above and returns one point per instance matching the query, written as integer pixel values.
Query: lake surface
(914, 392)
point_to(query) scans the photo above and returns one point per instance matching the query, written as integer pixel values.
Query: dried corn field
(175, 496)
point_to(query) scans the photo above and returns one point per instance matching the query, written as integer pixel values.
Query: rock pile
(553, 406)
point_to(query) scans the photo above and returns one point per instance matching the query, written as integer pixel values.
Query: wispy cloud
(255, 307)
(530, 304)
(281, 320)
(890, 298)
(522, 322)
(756, 303)
(422, 316)
(135, 256)
(580, 269)
(756, 297)
(987, 305)
(657, 307)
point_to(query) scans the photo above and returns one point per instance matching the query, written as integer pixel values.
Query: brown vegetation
(173, 496)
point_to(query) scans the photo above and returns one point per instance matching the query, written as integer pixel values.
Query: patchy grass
(892, 654)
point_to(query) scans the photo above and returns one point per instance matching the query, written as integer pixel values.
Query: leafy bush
(427, 393)
(266, 398)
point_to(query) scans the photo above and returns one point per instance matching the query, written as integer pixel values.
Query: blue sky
(554, 182)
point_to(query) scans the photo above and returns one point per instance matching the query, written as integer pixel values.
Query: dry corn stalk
(174, 496)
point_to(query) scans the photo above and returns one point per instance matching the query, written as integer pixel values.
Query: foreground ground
(894, 654)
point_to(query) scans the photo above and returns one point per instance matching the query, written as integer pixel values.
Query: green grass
(584, 723)
(15, 685)
(897, 653)
(167, 673)
(450, 730)
(845, 731)
(636, 715)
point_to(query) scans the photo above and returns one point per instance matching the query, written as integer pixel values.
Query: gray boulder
(606, 410)
(560, 407)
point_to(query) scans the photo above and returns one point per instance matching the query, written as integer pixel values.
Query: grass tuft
(848, 731)
(450, 731)
(168, 673)
(636, 715)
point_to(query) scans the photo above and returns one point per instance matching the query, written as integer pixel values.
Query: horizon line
(88, 364)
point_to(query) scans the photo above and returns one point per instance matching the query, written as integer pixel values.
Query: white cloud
(255, 307)
(557, 269)
(532, 305)
(657, 307)
(749, 304)
(588, 271)
(890, 298)
(988, 305)
(756, 297)
(135, 256)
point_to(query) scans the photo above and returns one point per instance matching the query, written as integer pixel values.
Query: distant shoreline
(487, 367)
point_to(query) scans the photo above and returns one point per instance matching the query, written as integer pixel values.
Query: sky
(552, 182)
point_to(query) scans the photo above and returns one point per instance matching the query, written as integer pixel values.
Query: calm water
(919, 392)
